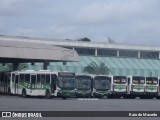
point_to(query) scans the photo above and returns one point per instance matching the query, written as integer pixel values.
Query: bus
(4, 82)
(158, 96)
(66, 82)
(43, 83)
(136, 86)
(33, 83)
(152, 87)
(118, 86)
(84, 86)
(101, 86)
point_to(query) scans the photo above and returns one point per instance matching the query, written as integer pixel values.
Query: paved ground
(16, 103)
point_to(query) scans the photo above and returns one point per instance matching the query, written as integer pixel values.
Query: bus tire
(48, 94)
(157, 97)
(24, 94)
(64, 98)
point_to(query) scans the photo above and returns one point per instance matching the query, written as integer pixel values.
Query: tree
(94, 68)
(9, 67)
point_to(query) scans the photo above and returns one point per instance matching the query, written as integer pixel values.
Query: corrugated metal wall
(117, 66)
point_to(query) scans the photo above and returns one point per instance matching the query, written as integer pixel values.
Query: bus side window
(128, 81)
(13, 77)
(27, 78)
(33, 79)
(43, 78)
(17, 79)
(53, 81)
(22, 77)
(38, 78)
(47, 78)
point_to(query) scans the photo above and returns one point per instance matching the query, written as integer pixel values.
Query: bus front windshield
(120, 79)
(102, 83)
(138, 80)
(152, 80)
(83, 82)
(66, 82)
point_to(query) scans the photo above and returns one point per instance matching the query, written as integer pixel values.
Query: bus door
(53, 82)
(33, 82)
(16, 83)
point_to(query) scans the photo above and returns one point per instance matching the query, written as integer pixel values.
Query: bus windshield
(151, 80)
(83, 82)
(120, 79)
(101, 82)
(138, 80)
(66, 82)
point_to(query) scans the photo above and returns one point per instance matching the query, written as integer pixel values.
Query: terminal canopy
(12, 51)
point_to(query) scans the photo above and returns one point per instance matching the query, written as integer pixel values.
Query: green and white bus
(33, 83)
(38, 83)
(118, 86)
(136, 86)
(101, 86)
(66, 85)
(152, 87)
(84, 86)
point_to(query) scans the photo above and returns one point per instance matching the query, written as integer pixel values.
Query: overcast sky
(125, 21)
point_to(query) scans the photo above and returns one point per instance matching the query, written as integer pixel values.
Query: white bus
(101, 86)
(84, 86)
(4, 82)
(158, 96)
(38, 83)
(152, 87)
(136, 86)
(33, 83)
(118, 86)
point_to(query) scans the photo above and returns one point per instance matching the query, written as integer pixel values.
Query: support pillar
(45, 65)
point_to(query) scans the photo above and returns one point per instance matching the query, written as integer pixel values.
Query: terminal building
(121, 59)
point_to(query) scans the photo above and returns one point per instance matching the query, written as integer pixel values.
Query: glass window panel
(149, 54)
(85, 51)
(126, 53)
(106, 52)
(27, 78)
(22, 77)
(48, 78)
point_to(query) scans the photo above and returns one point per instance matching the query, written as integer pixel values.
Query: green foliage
(94, 68)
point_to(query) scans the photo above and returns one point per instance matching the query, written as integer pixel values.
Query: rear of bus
(136, 86)
(101, 86)
(66, 85)
(84, 86)
(118, 86)
(151, 89)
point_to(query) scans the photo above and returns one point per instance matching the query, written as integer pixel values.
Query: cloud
(132, 21)
(118, 11)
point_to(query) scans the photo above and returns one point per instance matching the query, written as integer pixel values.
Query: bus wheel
(157, 97)
(24, 94)
(48, 94)
(64, 98)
